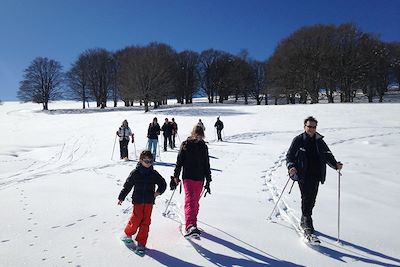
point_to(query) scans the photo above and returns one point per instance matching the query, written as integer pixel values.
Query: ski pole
(179, 138)
(169, 202)
(338, 238)
(276, 204)
(159, 154)
(134, 145)
(112, 155)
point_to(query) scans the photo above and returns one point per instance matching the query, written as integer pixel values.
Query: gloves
(133, 140)
(207, 188)
(173, 184)
(294, 177)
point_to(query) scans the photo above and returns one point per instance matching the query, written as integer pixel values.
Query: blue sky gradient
(61, 30)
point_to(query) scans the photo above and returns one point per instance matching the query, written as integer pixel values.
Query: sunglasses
(312, 127)
(147, 161)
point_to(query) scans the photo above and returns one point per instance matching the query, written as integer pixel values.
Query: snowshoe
(140, 250)
(192, 232)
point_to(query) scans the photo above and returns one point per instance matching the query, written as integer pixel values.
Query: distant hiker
(152, 134)
(174, 131)
(124, 133)
(193, 157)
(200, 123)
(167, 133)
(219, 125)
(306, 161)
(143, 180)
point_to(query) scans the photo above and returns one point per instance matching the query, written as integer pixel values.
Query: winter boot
(192, 231)
(306, 224)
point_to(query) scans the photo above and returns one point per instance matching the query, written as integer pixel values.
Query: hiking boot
(306, 222)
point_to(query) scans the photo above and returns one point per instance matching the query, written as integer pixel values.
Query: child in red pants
(143, 180)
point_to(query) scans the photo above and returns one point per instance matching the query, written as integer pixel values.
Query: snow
(59, 187)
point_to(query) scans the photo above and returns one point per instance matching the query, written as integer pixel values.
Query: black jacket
(219, 125)
(143, 181)
(167, 129)
(296, 156)
(193, 157)
(153, 131)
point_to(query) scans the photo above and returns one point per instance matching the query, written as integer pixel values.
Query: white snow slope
(59, 187)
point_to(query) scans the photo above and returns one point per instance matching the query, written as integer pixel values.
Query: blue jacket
(297, 156)
(143, 181)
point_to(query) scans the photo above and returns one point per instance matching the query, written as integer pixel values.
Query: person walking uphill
(143, 180)
(219, 125)
(306, 161)
(167, 133)
(152, 134)
(174, 127)
(193, 158)
(124, 132)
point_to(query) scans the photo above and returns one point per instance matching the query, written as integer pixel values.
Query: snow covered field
(59, 187)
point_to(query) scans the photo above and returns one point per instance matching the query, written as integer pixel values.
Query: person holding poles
(193, 158)
(306, 161)
(124, 133)
(152, 134)
(167, 133)
(219, 125)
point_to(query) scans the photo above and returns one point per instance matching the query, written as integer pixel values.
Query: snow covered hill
(59, 184)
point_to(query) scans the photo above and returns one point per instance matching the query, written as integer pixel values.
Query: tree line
(336, 59)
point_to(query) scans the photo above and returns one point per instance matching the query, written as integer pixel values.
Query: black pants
(219, 134)
(173, 139)
(123, 148)
(309, 190)
(168, 137)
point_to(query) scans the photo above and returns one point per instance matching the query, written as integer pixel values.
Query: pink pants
(192, 197)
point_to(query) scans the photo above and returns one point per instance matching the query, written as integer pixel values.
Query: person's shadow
(249, 258)
(168, 260)
(352, 254)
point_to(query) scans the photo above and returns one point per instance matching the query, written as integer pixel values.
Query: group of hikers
(306, 161)
(170, 132)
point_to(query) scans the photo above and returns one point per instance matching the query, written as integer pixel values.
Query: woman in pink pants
(193, 157)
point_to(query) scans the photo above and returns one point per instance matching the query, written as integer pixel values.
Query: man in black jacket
(167, 133)
(306, 161)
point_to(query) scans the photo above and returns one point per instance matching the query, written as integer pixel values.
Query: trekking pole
(179, 138)
(112, 155)
(134, 145)
(159, 154)
(169, 202)
(276, 204)
(338, 237)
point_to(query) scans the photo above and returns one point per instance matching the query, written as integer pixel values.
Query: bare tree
(146, 73)
(187, 76)
(208, 72)
(78, 78)
(42, 81)
(100, 76)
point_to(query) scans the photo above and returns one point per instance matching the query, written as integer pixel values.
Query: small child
(143, 180)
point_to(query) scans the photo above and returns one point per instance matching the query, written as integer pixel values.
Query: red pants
(141, 218)
(192, 197)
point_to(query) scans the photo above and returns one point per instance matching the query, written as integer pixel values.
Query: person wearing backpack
(124, 133)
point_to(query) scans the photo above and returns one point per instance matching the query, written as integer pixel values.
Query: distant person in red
(143, 180)
(193, 158)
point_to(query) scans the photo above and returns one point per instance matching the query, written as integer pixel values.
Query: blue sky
(61, 30)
